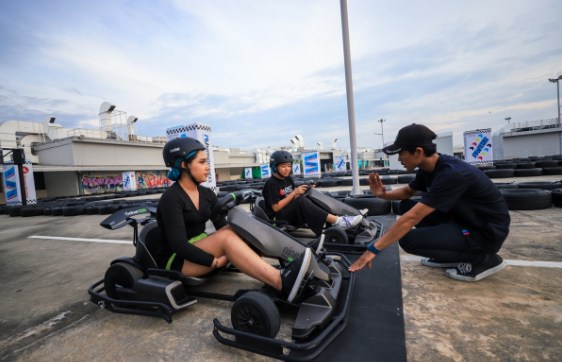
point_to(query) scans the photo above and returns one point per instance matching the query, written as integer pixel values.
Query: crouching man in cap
(461, 220)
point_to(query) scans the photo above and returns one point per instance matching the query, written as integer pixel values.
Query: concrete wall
(91, 152)
(62, 183)
(525, 144)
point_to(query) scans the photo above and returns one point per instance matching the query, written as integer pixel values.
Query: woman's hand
(376, 186)
(220, 262)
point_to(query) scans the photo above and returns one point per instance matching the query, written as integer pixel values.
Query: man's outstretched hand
(365, 259)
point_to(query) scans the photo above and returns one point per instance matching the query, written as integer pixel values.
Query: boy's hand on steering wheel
(302, 189)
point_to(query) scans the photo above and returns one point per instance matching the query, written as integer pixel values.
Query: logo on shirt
(287, 190)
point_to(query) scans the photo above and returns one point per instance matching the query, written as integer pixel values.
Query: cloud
(260, 72)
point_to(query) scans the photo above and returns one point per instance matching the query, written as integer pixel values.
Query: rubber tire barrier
(376, 206)
(500, 173)
(552, 170)
(557, 197)
(32, 211)
(524, 165)
(544, 185)
(506, 185)
(527, 199)
(546, 163)
(405, 179)
(527, 172)
(73, 210)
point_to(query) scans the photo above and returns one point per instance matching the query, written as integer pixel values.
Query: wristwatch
(372, 248)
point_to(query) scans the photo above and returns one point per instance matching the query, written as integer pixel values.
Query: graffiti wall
(152, 179)
(101, 183)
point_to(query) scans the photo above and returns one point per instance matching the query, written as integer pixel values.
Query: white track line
(108, 241)
(512, 262)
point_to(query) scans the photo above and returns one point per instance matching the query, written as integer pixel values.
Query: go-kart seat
(148, 239)
(259, 209)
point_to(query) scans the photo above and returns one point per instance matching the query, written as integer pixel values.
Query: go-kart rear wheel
(120, 278)
(256, 313)
(335, 235)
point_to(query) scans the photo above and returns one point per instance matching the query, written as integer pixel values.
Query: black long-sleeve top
(179, 221)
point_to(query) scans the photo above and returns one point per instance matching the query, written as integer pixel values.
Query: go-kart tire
(557, 197)
(335, 235)
(120, 276)
(527, 199)
(256, 313)
(500, 173)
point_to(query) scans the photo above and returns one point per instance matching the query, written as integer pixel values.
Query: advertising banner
(129, 181)
(12, 189)
(340, 164)
(248, 173)
(478, 147)
(297, 170)
(202, 133)
(311, 164)
(265, 171)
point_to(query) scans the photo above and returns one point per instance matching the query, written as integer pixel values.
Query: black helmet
(179, 148)
(278, 157)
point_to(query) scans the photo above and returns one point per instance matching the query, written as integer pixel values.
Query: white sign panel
(265, 171)
(478, 146)
(202, 133)
(12, 184)
(311, 162)
(248, 173)
(297, 170)
(129, 181)
(339, 164)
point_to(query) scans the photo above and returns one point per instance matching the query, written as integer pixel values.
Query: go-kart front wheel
(120, 279)
(335, 235)
(256, 313)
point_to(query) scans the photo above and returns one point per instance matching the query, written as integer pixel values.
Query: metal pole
(382, 130)
(557, 81)
(558, 95)
(355, 190)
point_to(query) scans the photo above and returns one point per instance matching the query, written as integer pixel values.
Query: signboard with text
(311, 164)
(478, 146)
(202, 133)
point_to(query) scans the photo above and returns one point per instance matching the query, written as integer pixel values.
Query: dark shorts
(173, 262)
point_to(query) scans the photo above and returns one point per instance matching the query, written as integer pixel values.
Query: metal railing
(534, 125)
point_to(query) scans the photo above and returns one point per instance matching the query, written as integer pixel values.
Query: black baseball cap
(414, 135)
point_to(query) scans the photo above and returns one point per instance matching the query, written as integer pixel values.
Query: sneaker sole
(302, 272)
(452, 273)
(426, 262)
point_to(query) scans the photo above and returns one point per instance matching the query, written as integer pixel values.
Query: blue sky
(260, 72)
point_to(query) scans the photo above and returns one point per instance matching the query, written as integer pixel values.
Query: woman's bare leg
(226, 242)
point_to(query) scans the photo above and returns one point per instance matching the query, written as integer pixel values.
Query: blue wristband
(371, 247)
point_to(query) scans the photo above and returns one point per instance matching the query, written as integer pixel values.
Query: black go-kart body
(136, 285)
(353, 240)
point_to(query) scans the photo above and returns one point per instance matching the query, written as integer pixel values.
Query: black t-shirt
(468, 195)
(179, 221)
(276, 190)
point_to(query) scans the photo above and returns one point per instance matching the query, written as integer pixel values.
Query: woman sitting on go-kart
(182, 213)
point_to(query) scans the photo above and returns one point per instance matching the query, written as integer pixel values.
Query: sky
(261, 72)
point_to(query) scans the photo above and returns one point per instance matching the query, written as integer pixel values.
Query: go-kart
(136, 285)
(353, 240)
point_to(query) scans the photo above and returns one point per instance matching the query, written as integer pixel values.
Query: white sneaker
(346, 222)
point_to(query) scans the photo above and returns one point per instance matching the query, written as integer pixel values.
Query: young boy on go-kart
(283, 201)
